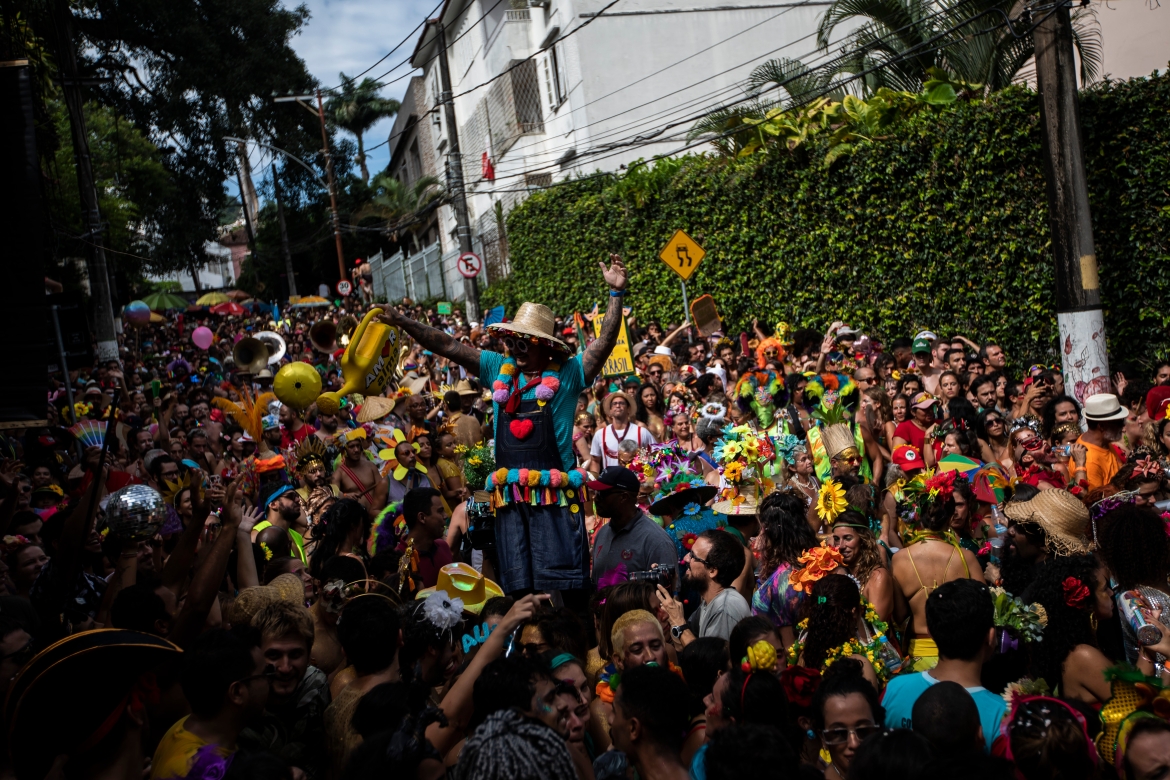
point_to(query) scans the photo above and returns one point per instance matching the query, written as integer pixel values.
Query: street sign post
(620, 362)
(683, 254)
(443, 307)
(344, 287)
(469, 265)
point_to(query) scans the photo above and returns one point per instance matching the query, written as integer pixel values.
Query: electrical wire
(397, 46)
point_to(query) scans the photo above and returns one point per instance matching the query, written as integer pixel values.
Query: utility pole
(288, 266)
(1078, 294)
(455, 175)
(320, 112)
(244, 201)
(99, 280)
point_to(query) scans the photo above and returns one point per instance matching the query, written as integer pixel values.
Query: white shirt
(607, 440)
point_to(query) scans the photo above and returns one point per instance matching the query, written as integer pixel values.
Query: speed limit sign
(344, 287)
(469, 265)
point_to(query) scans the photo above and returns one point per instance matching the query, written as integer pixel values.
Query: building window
(554, 76)
(415, 161)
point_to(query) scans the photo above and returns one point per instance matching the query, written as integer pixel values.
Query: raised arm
(434, 339)
(597, 352)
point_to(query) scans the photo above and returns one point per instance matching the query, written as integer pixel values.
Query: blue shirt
(564, 403)
(904, 690)
(699, 763)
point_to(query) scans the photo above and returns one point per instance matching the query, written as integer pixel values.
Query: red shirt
(911, 433)
(288, 439)
(430, 563)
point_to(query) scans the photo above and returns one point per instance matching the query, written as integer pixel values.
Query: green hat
(920, 345)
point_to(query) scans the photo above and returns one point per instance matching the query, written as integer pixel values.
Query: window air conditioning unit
(538, 3)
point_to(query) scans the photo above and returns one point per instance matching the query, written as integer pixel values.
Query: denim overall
(539, 547)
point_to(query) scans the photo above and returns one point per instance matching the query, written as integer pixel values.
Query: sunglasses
(993, 421)
(518, 345)
(694, 557)
(841, 736)
(656, 373)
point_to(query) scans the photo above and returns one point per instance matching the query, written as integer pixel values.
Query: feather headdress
(249, 411)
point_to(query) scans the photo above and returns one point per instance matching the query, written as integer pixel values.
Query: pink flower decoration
(523, 477)
(554, 478)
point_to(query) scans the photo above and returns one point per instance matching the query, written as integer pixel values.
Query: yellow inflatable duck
(372, 359)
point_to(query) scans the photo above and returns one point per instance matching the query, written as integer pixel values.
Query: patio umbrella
(230, 307)
(960, 463)
(309, 302)
(210, 299)
(161, 301)
(237, 295)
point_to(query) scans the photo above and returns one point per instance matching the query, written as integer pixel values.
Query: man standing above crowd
(357, 477)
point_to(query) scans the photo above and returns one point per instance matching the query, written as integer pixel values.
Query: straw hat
(837, 438)
(460, 581)
(533, 319)
(286, 587)
(609, 399)
(749, 506)
(375, 408)
(1063, 517)
(111, 661)
(463, 387)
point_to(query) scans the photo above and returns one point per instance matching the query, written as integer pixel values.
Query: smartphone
(215, 481)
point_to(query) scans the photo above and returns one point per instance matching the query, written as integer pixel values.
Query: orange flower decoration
(815, 564)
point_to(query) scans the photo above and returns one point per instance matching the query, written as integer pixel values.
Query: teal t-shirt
(904, 690)
(564, 403)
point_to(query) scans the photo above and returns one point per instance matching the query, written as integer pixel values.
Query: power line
(397, 46)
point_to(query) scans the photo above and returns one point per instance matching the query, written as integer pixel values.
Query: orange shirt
(1101, 464)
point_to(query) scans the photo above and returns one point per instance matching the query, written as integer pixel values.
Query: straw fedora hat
(375, 407)
(463, 387)
(286, 587)
(535, 320)
(461, 581)
(607, 402)
(1064, 518)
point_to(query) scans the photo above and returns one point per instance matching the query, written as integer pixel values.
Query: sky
(351, 35)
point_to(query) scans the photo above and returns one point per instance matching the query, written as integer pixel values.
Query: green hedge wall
(942, 225)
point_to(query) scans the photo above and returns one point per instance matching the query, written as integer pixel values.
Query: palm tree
(966, 39)
(356, 108)
(402, 206)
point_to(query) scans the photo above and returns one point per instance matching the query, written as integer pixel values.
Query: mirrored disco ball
(135, 512)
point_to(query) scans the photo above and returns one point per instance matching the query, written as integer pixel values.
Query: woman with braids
(863, 558)
(930, 558)
(342, 530)
(839, 624)
(1075, 594)
(1132, 542)
(784, 537)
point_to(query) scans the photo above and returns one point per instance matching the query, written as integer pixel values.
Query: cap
(1157, 401)
(929, 335)
(1103, 407)
(848, 334)
(270, 421)
(908, 458)
(618, 477)
(920, 345)
(923, 401)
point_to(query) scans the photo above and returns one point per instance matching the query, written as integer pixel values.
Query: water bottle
(889, 656)
(1130, 603)
(997, 517)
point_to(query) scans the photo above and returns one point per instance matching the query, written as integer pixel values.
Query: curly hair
(1152, 436)
(832, 609)
(869, 555)
(785, 530)
(1132, 542)
(1067, 626)
(334, 528)
(938, 515)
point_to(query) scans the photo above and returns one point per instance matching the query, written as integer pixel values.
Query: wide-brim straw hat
(609, 399)
(287, 588)
(536, 320)
(463, 582)
(1064, 518)
(375, 407)
(749, 506)
(110, 661)
(463, 387)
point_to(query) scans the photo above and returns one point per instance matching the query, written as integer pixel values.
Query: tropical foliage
(402, 206)
(936, 220)
(358, 107)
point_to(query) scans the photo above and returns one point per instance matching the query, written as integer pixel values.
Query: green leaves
(933, 220)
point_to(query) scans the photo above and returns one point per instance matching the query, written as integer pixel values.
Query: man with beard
(357, 477)
(294, 430)
(316, 492)
(713, 563)
(284, 511)
(1023, 550)
(271, 437)
(630, 540)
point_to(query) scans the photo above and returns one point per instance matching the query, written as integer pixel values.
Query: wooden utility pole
(455, 186)
(288, 266)
(332, 188)
(99, 280)
(1078, 293)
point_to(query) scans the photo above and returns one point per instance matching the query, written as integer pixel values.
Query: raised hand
(615, 275)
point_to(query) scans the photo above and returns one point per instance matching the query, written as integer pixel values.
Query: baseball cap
(269, 421)
(923, 401)
(920, 345)
(929, 335)
(618, 477)
(908, 458)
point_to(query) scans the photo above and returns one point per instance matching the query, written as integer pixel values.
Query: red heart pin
(521, 429)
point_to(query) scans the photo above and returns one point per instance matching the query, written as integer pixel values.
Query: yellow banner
(620, 362)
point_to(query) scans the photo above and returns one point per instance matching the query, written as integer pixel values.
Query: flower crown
(815, 564)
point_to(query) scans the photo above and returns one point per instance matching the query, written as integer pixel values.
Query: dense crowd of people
(767, 554)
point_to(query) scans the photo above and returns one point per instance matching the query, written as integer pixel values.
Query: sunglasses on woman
(841, 736)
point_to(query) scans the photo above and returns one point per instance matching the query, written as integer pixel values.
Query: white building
(553, 90)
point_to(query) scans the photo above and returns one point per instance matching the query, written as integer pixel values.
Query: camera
(481, 527)
(661, 575)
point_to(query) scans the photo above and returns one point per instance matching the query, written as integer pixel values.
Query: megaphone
(275, 344)
(323, 336)
(250, 355)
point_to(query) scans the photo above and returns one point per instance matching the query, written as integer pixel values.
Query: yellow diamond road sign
(682, 254)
